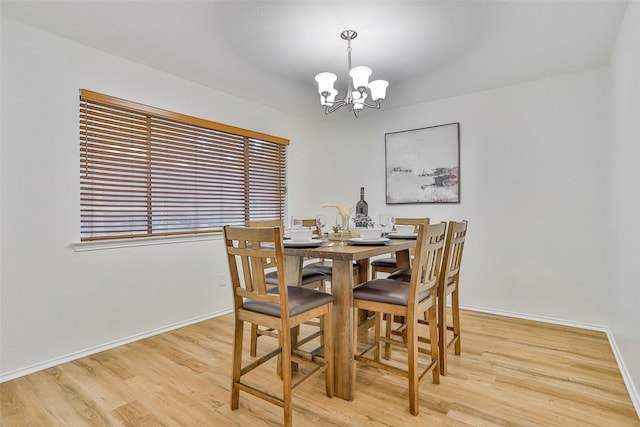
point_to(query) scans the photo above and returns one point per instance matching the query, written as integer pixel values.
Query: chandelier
(357, 96)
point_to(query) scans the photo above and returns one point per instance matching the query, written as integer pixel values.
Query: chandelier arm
(335, 106)
(375, 106)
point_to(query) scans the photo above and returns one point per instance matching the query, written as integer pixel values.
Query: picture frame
(423, 165)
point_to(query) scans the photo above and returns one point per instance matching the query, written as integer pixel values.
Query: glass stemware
(386, 222)
(296, 222)
(340, 227)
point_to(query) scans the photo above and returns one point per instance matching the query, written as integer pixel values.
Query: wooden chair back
(450, 285)
(427, 261)
(452, 260)
(253, 247)
(411, 221)
(311, 223)
(269, 264)
(388, 265)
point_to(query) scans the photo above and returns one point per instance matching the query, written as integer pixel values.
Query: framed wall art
(423, 165)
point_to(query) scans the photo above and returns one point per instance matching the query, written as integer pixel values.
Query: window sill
(141, 241)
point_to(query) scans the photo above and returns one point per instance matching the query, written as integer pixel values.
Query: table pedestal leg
(342, 291)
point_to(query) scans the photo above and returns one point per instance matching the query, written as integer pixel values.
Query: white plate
(395, 235)
(307, 244)
(361, 241)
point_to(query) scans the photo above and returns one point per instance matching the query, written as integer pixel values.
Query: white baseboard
(633, 391)
(631, 388)
(536, 318)
(97, 349)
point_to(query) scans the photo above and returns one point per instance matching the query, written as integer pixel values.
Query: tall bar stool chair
(282, 308)
(405, 276)
(310, 279)
(388, 264)
(450, 285)
(410, 300)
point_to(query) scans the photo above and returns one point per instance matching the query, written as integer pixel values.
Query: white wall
(55, 301)
(625, 286)
(535, 182)
(534, 185)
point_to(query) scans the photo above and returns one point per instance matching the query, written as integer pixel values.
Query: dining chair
(409, 300)
(448, 285)
(311, 278)
(388, 264)
(283, 309)
(405, 276)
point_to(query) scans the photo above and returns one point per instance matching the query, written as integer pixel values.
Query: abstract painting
(423, 165)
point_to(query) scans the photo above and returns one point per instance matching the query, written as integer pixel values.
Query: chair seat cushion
(404, 275)
(386, 291)
(300, 300)
(308, 276)
(384, 262)
(325, 267)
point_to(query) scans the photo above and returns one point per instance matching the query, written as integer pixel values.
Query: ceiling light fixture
(356, 97)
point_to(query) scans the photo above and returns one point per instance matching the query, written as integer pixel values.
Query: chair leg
(391, 319)
(237, 364)
(328, 350)
(389, 328)
(254, 340)
(284, 336)
(412, 354)
(433, 329)
(377, 331)
(354, 349)
(442, 332)
(455, 304)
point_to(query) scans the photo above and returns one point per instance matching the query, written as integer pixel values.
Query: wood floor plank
(512, 372)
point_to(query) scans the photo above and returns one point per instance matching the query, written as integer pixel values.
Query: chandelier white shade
(356, 95)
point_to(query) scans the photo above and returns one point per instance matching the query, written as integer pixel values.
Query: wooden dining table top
(334, 250)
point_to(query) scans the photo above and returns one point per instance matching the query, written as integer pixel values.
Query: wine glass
(386, 222)
(321, 221)
(296, 222)
(340, 228)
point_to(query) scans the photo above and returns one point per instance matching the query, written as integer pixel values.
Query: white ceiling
(269, 51)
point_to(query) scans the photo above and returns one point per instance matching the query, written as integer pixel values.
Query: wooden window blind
(150, 172)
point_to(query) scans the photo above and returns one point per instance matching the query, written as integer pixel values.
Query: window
(151, 172)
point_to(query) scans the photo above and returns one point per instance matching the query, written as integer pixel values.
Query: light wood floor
(511, 373)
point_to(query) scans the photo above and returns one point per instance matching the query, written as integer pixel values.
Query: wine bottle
(362, 207)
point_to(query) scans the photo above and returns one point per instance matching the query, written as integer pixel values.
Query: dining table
(342, 282)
